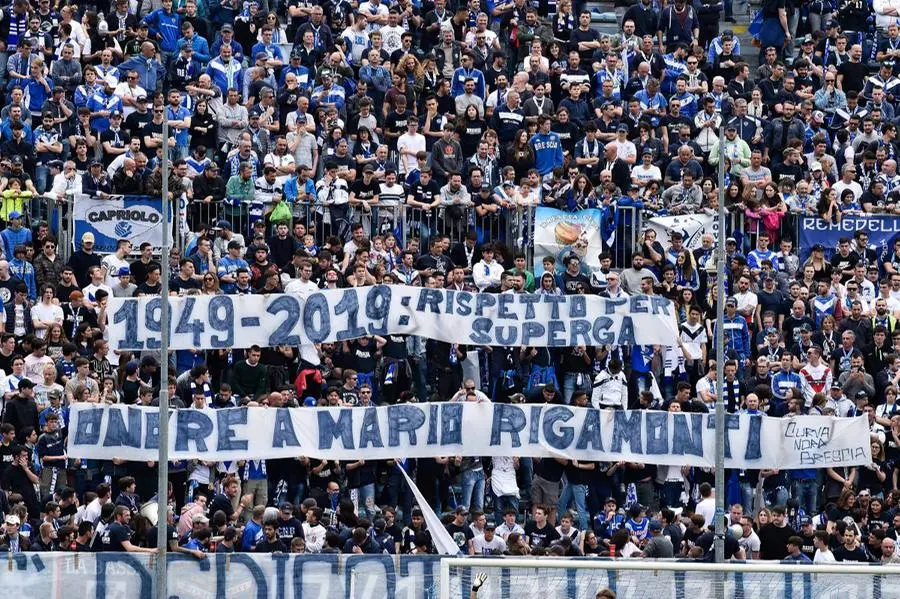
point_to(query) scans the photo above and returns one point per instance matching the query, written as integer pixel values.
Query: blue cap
(223, 224)
(310, 402)
(15, 214)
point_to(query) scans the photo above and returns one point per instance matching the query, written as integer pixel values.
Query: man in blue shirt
(165, 27)
(548, 152)
(253, 530)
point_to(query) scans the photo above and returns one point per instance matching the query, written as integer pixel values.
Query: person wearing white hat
(12, 540)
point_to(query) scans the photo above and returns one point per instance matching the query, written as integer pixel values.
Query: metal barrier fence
(513, 228)
(46, 210)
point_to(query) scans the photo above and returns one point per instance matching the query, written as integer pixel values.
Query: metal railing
(513, 228)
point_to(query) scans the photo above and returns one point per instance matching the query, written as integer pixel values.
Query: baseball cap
(731, 302)
(234, 245)
(610, 500)
(15, 214)
(836, 385)
(771, 331)
(124, 272)
(805, 328)
(622, 129)
(16, 159)
(115, 113)
(286, 507)
(807, 39)
(223, 224)
(141, 99)
(862, 393)
(461, 510)
(489, 526)
(12, 519)
(26, 383)
(87, 238)
(815, 166)
(818, 247)
(818, 116)
(227, 27)
(730, 240)
(655, 525)
(804, 520)
(260, 56)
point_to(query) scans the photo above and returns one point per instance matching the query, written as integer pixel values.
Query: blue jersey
(638, 528)
(548, 152)
(167, 25)
(756, 257)
(782, 381)
(824, 306)
(605, 527)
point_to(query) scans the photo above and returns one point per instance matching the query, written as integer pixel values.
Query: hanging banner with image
(426, 430)
(691, 226)
(584, 233)
(135, 218)
(507, 319)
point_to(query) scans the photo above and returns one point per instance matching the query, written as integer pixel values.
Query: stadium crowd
(301, 132)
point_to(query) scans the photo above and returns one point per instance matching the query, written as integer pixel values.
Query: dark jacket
(11, 318)
(21, 412)
(80, 262)
(93, 188)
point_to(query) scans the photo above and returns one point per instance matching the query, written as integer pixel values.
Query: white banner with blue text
(428, 430)
(507, 319)
(135, 218)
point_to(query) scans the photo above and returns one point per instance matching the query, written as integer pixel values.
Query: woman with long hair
(271, 19)
(772, 210)
(734, 196)
(873, 476)
(828, 208)
(472, 130)
(330, 140)
(521, 155)
(580, 195)
(430, 76)
(821, 267)
(56, 338)
(564, 22)
(686, 275)
(409, 68)
(204, 126)
(210, 284)
(363, 148)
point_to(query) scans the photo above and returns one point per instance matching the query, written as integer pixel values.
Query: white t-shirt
(416, 143)
(112, 264)
(645, 175)
(824, 557)
(123, 90)
(749, 544)
(625, 150)
(496, 546)
(707, 508)
(278, 162)
(51, 313)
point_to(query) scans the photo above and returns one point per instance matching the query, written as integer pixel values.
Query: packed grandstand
(338, 145)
